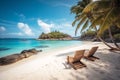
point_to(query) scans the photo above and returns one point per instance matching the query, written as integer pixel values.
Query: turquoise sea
(12, 46)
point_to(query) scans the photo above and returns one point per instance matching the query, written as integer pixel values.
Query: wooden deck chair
(90, 54)
(75, 61)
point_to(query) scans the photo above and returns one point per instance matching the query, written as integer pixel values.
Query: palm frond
(80, 23)
(78, 18)
(96, 21)
(106, 20)
(102, 5)
(89, 7)
(85, 25)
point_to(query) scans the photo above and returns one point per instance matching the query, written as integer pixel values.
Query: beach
(51, 65)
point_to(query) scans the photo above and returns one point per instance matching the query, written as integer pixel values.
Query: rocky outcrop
(16, 57)
(28, 53)
(11, 59)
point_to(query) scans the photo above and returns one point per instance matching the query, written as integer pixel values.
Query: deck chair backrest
(92, 51)
(78, 55)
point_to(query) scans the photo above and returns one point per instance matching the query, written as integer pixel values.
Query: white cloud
(7, 22)
(18, 34)
(61, 25)
(2, 29)
(67, 25)
(46, 27)
(25, 28)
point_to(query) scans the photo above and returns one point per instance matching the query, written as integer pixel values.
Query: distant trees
(91, 35)
(54, 35)
(88, 35)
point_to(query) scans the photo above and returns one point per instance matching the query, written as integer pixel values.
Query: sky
(29, 18)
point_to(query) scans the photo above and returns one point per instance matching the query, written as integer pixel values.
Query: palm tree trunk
(111, 47)
(105, 42)
(110, 34)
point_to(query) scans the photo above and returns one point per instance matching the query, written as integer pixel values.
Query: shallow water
(12, 46)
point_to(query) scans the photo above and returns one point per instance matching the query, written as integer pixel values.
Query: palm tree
(107, 13)
(76, 9)
(80, 17)
(102, 13)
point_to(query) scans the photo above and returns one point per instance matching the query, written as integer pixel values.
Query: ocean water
(12, 46)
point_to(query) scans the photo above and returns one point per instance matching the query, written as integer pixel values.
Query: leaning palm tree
(106, 14)
(107, 11)
(102, 13)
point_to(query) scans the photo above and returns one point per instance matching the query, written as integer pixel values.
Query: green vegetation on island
(55, 35)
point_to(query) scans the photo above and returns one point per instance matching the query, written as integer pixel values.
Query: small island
(55, 35)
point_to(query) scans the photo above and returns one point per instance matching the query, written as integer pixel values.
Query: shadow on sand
(107, 68)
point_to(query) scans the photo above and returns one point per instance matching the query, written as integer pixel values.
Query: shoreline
(51, 64)
(48, 53)
(8, 50)
(51, 53)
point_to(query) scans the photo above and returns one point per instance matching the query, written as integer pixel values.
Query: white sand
(52, 66)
